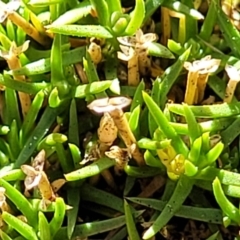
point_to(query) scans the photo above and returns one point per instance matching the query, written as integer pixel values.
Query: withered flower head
(32, 177)
(120, 155)
(109, 104)
(114, 107)
(204, 65)
(140, 40)
(14, 50)
(36, 177)
(198, 74)
(8, 8)
(135, 51)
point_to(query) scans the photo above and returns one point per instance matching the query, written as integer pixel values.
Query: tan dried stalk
(156, 70)
(156, 183)
(139, 43)
(182, 25)
(198, 74)
(81, 73)
(129, 55)
(191, 87)
(14, 63)
(166, 26)
(29, 29)
(234, 78)
(206, 66)
(209, 101)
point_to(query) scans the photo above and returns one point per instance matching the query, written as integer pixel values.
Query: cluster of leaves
(63, 56)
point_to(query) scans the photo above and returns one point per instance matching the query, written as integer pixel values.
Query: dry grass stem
(107, 131)
(234, 78)
(126, 134)
(28, 28)
(129, 55)
(209, 101)
(201, 84)
(108, 177)
(56, 128)
(182, 24)
(156, 70)
(198, 74)
(156, 183)
(133, 69)
(206, 66)
(140, 43)
(191, 87)
(81, 73)
(14, 63)
(77, 42)
(57, 184)
(166, 26)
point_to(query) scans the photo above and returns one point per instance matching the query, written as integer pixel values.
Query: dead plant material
(134, 51)
(37, 178)
(114, 107)
(198, 74)
(13, 62)
(234, 78)
(9, 12)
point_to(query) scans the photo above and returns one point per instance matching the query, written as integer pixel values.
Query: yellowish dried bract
(37, 178)
(95, 52)
(120, 155)
(234, 78)
(107, 131)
